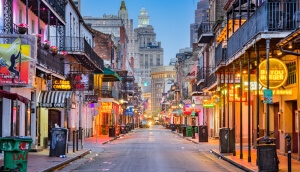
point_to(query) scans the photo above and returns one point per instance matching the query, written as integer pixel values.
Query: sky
(170, 19)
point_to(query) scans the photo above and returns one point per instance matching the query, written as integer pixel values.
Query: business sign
(236, 97)
(91, 98)
(268, 96)
(106, 107)
(277, 73)
(15, 64)
(63, 85)
(82, 82)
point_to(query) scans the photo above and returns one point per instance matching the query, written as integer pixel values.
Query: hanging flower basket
(22, 28)
(46, 45)
(38, 37)
(54, 50)
(63, 55)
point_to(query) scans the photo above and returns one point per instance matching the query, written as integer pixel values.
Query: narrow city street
(151, 149)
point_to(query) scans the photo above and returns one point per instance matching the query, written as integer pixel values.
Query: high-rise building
(201, 15)
(148, 52)
(162, 80)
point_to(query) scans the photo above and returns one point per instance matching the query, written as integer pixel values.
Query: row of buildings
(59, 68)
(245, 73)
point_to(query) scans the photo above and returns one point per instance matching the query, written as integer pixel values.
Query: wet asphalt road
(153, 149)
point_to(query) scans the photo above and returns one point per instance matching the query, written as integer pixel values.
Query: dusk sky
(171, 19)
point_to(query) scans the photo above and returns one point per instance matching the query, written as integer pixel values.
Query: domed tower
(123, 13)
(143, 18)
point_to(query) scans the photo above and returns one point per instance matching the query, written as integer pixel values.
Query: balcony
(55, 8)
(49, 62)
(81, 50)
(205, 32)
(107, 92)
(220, 55)
(271, 17)
(211, 80)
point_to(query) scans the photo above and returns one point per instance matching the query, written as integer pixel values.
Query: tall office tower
(201, 15)
(148, 52)
(78, 4)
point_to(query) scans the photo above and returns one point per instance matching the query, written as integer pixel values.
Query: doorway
(294, 128)
(54, 117)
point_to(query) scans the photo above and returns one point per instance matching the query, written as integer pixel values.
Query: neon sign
(277, 73)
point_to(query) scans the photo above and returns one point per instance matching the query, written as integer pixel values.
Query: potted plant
(63, 54)
(38, 37)
(46, 44)
(54, 50)
(22, 28)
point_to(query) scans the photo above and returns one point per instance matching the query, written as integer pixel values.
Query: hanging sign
(268, 96)
(277, 73)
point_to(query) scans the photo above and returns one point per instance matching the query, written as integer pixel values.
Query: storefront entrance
(54, 117)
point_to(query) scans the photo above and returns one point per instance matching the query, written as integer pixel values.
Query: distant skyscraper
(148, 52)
(201, 15)
(78, 4)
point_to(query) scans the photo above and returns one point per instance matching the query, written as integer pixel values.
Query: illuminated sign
(237, 97)
(59, 84)
(15, 61)
(106, 107)
(277, 92)
(82, 82)
(277, 73)
(208, 103)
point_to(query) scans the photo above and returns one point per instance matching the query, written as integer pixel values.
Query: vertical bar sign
(268, 96)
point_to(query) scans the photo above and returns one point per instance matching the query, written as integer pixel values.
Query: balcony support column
(268, 84)
(233, 108)
(249, 110)
(241, 110)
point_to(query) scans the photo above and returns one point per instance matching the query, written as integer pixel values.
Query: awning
(57, 99)
(13, 96)
(110, 75)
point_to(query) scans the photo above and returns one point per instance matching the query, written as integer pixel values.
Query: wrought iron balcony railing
(205, 32)
(270, 16)
(52, 63)
(220, 54)
(107, 92)
(73, 45)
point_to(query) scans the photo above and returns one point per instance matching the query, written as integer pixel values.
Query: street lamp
(193, 120)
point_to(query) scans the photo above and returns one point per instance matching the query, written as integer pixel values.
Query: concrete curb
(231, 161)
(219, 155)
(53, 168)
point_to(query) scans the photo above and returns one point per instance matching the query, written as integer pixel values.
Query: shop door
(294, 128)
(54, 117)
(276, 125)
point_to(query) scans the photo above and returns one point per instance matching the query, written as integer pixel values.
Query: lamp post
(193, 121)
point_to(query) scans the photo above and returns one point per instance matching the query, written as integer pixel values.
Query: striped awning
(57, 99)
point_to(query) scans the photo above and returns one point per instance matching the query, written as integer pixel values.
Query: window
(291, 73)
(32, 26)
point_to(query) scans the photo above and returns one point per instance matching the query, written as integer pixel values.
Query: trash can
(183, 128)
(123, 129)
(58, 142)
(15, 152)
(189, 131)
(226, 141)
(112, 131)
(173, 127)
(267, 159)
(103, 129)
(196, 129)
(203, 133)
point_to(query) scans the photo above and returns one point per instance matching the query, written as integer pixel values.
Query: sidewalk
(40, 161)
(213, 147)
